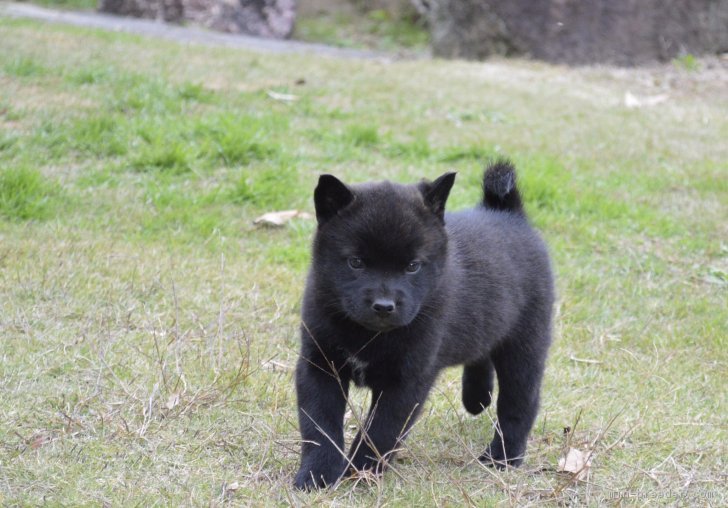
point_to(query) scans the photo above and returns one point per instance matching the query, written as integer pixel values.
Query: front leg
(393, 412)
(321, 392)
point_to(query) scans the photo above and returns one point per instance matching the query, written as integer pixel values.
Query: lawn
(149, 330)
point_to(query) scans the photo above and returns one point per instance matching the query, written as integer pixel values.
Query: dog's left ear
(436, 193)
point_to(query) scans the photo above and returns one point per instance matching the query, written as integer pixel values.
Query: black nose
(383, 306)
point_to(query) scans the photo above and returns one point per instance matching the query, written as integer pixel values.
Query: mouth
(378, 327)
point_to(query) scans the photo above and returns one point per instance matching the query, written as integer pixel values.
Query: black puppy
(397, 291)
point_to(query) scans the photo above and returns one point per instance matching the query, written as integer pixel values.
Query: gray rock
(621, 32)
(263, 18)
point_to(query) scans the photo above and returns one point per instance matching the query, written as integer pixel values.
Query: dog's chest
(376, 374)
(358, 369)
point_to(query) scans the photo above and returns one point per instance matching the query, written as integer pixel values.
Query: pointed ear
(436, 193)
(330, 196)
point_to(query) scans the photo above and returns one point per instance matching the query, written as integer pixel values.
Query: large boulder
(621, 32)
(263, 18)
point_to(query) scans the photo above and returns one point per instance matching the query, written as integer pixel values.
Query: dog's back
(501, 269)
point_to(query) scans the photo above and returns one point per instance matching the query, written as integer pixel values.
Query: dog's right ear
(330, 196)
(435, 193)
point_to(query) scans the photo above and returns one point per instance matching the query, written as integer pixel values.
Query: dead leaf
(277, 219)
(275, 365)
(172, 401)
(576, 462)
(38, 440)
(632, 101)
(229, 489)
(283, 97)
(716, 276)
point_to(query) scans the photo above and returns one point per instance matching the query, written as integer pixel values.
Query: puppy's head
(380, 248)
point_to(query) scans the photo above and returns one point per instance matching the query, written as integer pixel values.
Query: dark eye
(413, 267)
(355, 263)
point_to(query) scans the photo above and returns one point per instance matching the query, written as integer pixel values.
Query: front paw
(313, 478)
(366, 463)
(496, 457)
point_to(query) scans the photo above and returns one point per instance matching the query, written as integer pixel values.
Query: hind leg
(520, 369)
(477, 386)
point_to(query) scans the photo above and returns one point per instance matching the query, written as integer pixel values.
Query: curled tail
(499, 188)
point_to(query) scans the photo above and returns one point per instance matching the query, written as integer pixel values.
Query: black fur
(499, 188)
(399, 290)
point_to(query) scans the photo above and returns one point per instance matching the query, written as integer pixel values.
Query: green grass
(76, 5)
(149, 329)
(21, 67)
(687, 62)
(25, 194)
(342, 24)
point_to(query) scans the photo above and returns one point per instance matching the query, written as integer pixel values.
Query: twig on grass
(161, 361)
(584, 360)
(119, 381)
(177, 337)
(221, 314)
(148, 411)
